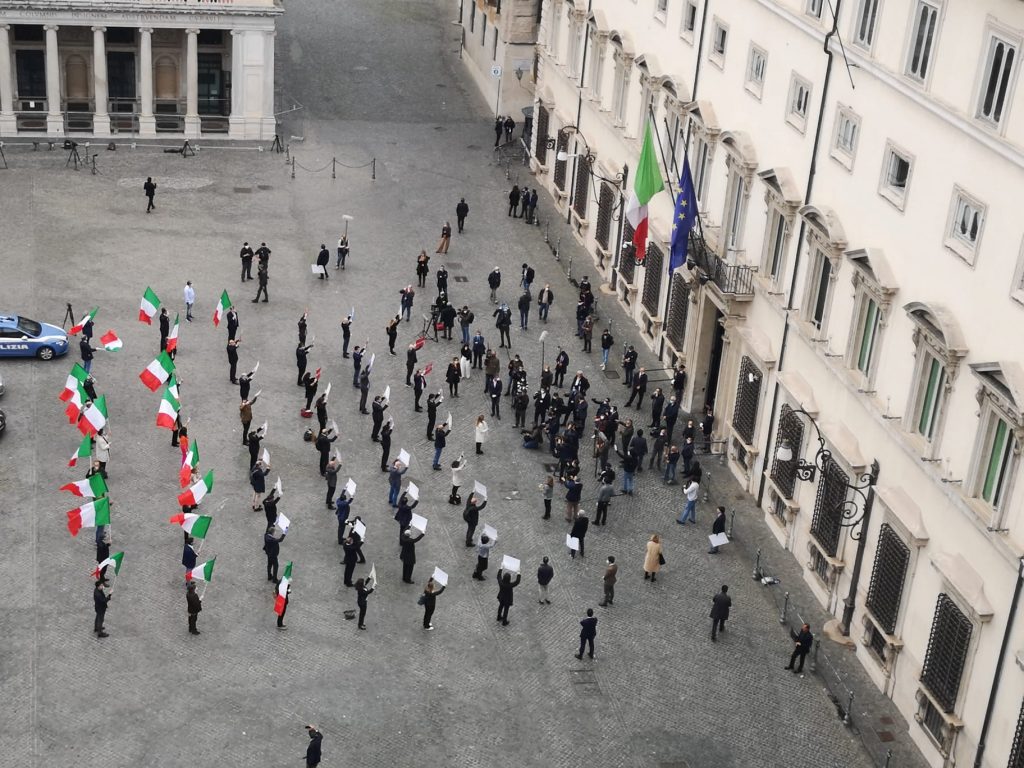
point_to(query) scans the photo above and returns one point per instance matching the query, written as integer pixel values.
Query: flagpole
(202, 594)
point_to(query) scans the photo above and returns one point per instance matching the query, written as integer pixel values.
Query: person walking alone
(720, 605)
(804, 642)
(588, 633)
(654, 558)
(611, 571)
(150, 189)
(505, 594)
(461, 212)
(190, 299)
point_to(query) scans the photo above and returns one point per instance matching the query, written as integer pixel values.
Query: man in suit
(495, 392)
(408, 554)
(720, 605)
(639, 389)
(246, 255)
(377, 409)
(717, 527)
(272, 548)
(588, 632)
(165, 328)
(195, 605)
(461, 212)
(804, 642)
(610, 574)
(232, 349)
(100, 599)
(313, 750)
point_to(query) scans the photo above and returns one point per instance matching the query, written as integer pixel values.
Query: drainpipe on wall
(812, 171)
(999, 666)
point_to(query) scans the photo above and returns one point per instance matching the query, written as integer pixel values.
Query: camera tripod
(72, 147)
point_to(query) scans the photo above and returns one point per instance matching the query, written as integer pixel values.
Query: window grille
(791, 429)
(1017, 750)
(678, 309)
(582, 188)
(652, 279)
(627, 261)
(827, 523)
(560, 165)
(543, 122)
(748, 395)
(947, 653)
(604, 215)
(887, 577)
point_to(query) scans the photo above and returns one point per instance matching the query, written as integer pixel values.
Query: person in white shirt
(690, 510)
(190, 299)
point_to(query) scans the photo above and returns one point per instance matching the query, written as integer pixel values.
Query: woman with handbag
(654, 558)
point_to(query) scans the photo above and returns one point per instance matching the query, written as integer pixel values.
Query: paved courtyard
(375, 80)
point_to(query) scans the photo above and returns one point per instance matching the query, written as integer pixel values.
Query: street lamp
(855, 510)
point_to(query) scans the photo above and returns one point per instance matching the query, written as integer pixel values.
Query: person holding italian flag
(284, 590)
(646, 184)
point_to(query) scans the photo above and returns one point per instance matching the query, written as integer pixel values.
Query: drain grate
(460, 279)
(243, 190)
(263, 187)
(612, 375)
(454, 264)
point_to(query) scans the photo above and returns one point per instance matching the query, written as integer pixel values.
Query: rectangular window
(946, 656)
(483, 30)
(472, 17)
(702, 155)
(661, 8)
(556, 32)
(844, 143)
(621, 95)
(1000, 65)
(734, 212)
(922, 40)
(864, 21)
(896, 170)
(799, 102)
(888, 574)
(869, 327)
(572, 58)
(814, 8)
(775, 251)
(967, 219)
(748, 398)
(931, 397)
(689, 22)
(757, 63)
(996, 461)
(829, 504)
(719, 43)
(820, 283)
(596, 64)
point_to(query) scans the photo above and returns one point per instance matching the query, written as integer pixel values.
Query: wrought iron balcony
(731, 279)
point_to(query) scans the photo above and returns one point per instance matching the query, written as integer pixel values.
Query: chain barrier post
(849, 706)
(293, 167)
(756, 575)
(373, 169)
(814, 656)
(785, 609)
(334, 162)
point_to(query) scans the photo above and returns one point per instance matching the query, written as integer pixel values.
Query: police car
(22, 337)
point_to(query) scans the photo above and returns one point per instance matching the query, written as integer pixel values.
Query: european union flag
(684, 220)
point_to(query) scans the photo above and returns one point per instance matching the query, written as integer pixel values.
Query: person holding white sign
(471, 514)
(408, 554)
(483, 554)
(363, 590)
(505, 596)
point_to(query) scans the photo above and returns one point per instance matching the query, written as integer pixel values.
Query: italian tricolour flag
(89, 515)
(222, 306)
(194, 525)
(646, 184)
(110, 341)
(94, 417)
(202, 572)
(191, 462)
(83, 451)
(92, 487)
(282, 590)
(74, 382)
(75, 401)
(148, 307)
(76, 329)
(197, 492)
(156, 372)
(168, 413)
(172, 338)
(115, 560)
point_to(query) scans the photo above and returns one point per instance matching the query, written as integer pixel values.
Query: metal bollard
(888, 757)
(334, 163)
(785, 609)
(293, 167)
(849, 706)
(732, 521)
(373, 169)
(287, 153)
(756, 575)
(547, 228)
(814, 656)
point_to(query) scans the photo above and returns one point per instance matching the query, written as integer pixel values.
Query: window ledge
(898, 201)
(792, 506)
(843, 159)
(965, 252)
(836, 565)
(799, 124)
(580, 221)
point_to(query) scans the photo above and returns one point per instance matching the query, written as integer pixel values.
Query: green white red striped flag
(92, 487)
(94, 417)
(156, 372)
(76, 329)
(148, 307)
(191, 462)
(222, 307)
(89, 515)
(74, 382)
(282, 590)
(202, 572)
(75, 401)
(197, 492)
(647, 182)
(83, 451)
(110, 341)
(115, 560)
(172, 338)
(194, 525)
(168, 413)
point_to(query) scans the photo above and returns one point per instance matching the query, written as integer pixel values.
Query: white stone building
(503, 34)
(137, 67)
(859, 183)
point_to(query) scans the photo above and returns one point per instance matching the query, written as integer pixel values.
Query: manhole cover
(583, 676)
(885, 736)
(611, 375)
(243, 190)
(460, 279)
(440, 85)
(454, 264)
(264, 187)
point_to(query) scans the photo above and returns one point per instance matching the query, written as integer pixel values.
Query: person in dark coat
(419, 384)
(440, 440)
(194, 604)
(311, 382)
(258, 480)
(150, 189)
(452, 376)
(513, 200)
(346, 335)
(804, 642)
(351, 557)
(494, 282)
(100, 599)
(392, 333)
(342, 507)
(639, 389)
(313, 750)
(86, 351)
(588, 633)
(429, 601)
(579, 531)
(377, 408)
(301, 356)
(433, 401)
(232, 320)
(321, 410)
(471, 514)
(385, 444)
(323, 258)
(499, 129)
(272, 548)
(505, 588)
(403, 516)
(364, 389)
(720, 605)
(532, 210)
(657, 405)
(408, 554)
(188, 554)
(524, 310)
(323, 444)
(232, 350)
(246, 254)
(717, 527)
(262, 278)
(362, 592)
(461, 212)
(165, 328)
(270, 506)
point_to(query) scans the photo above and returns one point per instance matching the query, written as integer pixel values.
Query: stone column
(193, 126)
(54, 117)
(147, 122)
(236, 122)
(8, 124)
(268, 123)
(100, 116)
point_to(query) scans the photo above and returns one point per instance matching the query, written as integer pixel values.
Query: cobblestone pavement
(472, 693)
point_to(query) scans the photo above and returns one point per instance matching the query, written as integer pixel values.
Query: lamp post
(855, 510)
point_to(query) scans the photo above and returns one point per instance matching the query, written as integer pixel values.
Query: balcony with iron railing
(731, 279)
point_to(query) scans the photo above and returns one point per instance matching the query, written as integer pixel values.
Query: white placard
(255, 368)
(350, 488)
(490, 533)
(403, 457)
(265, 457)
(334, 426)
(510, 564)
(413, 490)
(718, 539)
(387, 392)
(448, 421)
(543, 335)
(372, 358)
(263, 429)
(359, 529)
(253, 398)
(327, 391)
(419, 522)
(316, 269)
(572, 543)
(440, 577)
(278, 487)
(480, 490)
(372, 575)
(282, 522)
(352, 313)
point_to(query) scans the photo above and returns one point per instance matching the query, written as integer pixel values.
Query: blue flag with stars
(684, 220)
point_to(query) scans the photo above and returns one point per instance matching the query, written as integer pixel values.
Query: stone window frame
(826, 239)
(716, 56)
(961, 246)
(623, 70)
(690, 14)
(753, 84)
(996, 32)
(599, 48)
(782, 201)
(740, 167)
(872, 282)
